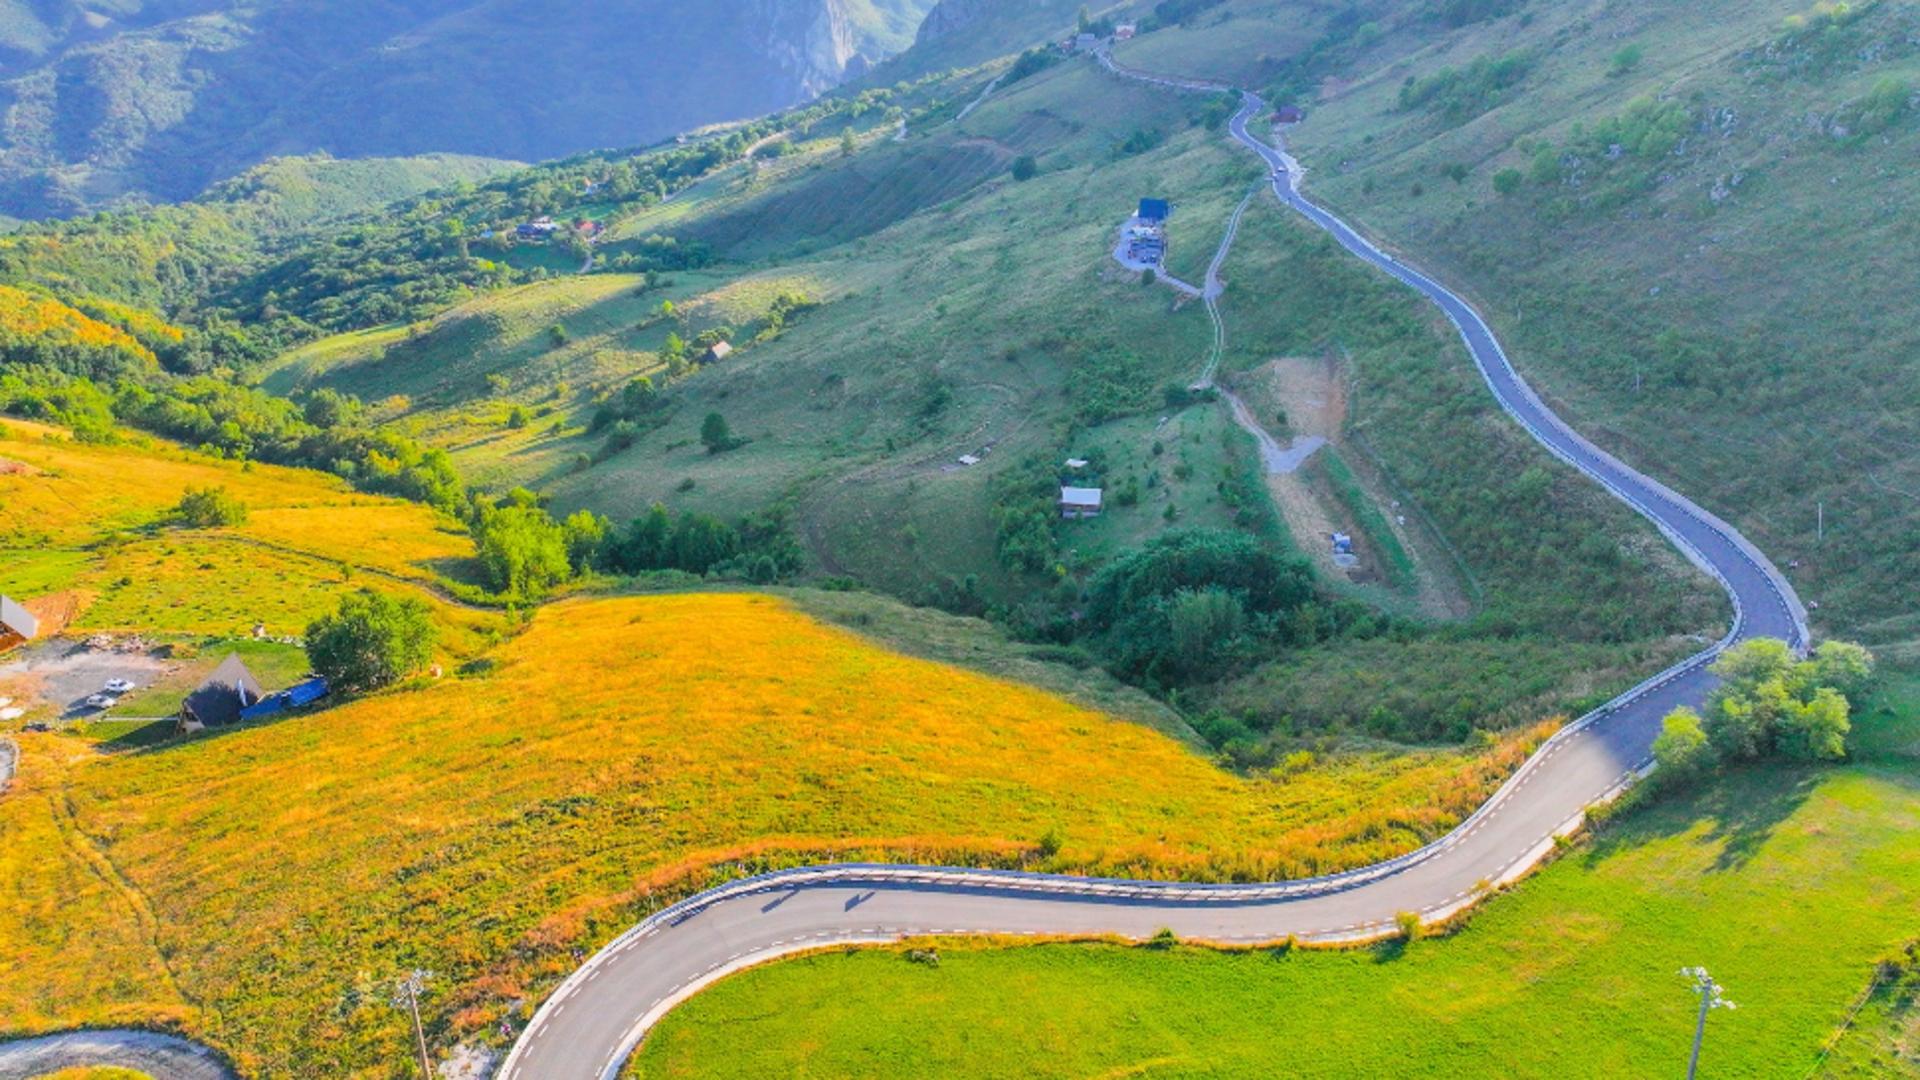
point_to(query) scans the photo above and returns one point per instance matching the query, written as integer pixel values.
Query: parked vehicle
(119, 686)
(102, 701)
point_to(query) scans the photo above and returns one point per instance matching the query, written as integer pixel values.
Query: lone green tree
(715, 435)
(371, 641)
(1681, 748)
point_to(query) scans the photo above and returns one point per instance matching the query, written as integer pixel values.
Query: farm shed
(1077, 502)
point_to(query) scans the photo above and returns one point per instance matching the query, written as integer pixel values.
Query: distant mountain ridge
(155, 100)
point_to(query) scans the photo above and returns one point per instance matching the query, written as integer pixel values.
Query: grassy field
(1788, 883)
(614, 753)
(91, 520)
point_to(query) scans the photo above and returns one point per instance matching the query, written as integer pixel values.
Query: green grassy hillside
(1690, 223)
(960, 311)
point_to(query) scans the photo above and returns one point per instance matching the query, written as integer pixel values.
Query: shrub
(1050, 843)
(1408, 925)
(715, 435)
(1025, 168)
(1508, 181)
(210, 508)
(1625, 59)
(373, 640)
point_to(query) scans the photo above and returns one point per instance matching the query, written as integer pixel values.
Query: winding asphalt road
(593, 1021)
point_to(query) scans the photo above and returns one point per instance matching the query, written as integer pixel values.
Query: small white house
(1076, 503)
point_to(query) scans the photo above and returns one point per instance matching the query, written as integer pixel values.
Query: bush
(715, 435)
(1408, 925)
(373, 640)
(1625, 59)
(1508, 181)
(1025, 168)
(210, 508)
(1681, 749)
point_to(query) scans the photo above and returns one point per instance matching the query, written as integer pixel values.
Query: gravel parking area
(57, 676)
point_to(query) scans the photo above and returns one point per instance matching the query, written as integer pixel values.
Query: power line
(406, 995)
(1710, 999)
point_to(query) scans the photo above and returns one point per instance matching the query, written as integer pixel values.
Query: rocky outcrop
(811, 41)
(953, 16)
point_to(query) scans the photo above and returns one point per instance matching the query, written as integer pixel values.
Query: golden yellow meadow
(616, 752)
(90, 519)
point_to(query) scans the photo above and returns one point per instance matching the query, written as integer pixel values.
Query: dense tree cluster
(759, 548)
(1190, 601)
(1769, 704)
(1457, 95)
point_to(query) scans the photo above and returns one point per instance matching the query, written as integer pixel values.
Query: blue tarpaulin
(301, 693)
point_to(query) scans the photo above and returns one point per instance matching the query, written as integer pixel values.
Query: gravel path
(163, 1057)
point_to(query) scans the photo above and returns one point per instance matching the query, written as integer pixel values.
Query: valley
(732, 494)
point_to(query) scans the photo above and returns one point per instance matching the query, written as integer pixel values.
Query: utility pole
(406, 995)
(1710, 999)
(1820, 516)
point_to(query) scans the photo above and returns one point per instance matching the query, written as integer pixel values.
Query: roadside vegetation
(1769, 704)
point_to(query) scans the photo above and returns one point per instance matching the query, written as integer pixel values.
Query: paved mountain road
(592, 1022)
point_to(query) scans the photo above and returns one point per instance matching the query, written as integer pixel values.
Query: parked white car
(119, 686)
(102, 701)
